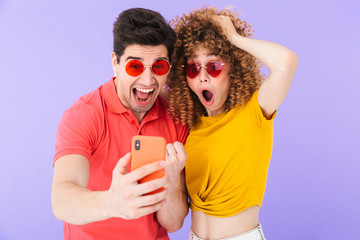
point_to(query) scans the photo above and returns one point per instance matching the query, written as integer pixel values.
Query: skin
(219, 86)
(282, 64)
(72, 202)
(125, 84)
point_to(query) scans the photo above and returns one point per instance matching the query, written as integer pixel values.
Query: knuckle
(179, 146)
(170, 147)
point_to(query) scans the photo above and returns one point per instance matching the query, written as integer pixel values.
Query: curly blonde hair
(198, 29)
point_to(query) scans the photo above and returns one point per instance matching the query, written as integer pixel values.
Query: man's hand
(126, 197)
(175, 163)
(171, 215)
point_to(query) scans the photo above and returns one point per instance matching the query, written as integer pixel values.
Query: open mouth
(143, 95)
(208, 96)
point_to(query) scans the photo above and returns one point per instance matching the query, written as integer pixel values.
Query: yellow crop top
(228, 160)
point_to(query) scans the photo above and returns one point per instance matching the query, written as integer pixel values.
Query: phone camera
(137, 145)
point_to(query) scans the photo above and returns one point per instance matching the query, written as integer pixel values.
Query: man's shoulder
(89, 103)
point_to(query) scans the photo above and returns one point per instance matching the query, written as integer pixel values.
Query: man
(93, 191)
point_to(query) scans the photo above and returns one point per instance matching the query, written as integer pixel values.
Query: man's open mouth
(143, 95)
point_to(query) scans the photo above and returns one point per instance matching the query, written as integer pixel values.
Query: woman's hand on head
(227, 26)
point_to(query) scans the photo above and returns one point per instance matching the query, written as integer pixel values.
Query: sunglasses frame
(145, 66)
(204, 66)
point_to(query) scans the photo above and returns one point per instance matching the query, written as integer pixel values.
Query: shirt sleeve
(254, 110)
(77, 132)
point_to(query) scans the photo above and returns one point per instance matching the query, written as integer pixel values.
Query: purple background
(53, 52)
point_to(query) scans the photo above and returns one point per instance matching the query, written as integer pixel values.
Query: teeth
(144, 90)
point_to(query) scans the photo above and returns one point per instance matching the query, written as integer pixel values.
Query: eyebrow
(131, 57)
(207, 55)
(138, 58)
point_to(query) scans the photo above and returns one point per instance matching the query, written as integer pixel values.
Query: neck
(214, 113)
(139, 116)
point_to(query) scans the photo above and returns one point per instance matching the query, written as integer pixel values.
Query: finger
(170, 151)
(181, 154)
(122, 164)
(220, 19)
(149, 200)
(145, 170)
(148, 209)
(152, 185)
(217, 18)
(226, 24)
(180, 150)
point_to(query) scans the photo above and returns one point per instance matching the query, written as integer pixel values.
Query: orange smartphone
(145, 150)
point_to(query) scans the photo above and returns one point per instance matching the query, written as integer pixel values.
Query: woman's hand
(227, 26)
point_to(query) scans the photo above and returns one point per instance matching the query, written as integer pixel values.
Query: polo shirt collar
(111, 97)
(115, 105)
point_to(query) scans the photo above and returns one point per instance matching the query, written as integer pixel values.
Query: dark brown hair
(144, 27)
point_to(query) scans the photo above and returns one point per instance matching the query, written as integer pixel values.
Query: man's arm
(172, 214)
(72, 202)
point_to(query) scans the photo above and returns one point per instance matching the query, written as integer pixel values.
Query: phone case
(145, 150)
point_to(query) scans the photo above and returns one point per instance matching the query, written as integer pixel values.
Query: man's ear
(114, 63)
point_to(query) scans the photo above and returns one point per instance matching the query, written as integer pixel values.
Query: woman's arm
(281, 62)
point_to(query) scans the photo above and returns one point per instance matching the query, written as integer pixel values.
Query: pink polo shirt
(100, 128)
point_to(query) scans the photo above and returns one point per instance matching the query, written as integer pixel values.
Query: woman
(216, 88)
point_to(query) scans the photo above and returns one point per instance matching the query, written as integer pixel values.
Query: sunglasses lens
(214, 68)
(134, 68)
(192, 70)
(160, 67)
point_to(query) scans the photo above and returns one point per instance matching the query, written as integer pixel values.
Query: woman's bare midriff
(209, 227)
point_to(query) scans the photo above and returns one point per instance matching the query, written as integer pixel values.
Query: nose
(203, 75)
(146, 78)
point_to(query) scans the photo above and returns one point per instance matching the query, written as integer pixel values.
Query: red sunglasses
(212, 68)
(135, 67)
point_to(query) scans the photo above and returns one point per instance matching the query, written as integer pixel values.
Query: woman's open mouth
(207, 95)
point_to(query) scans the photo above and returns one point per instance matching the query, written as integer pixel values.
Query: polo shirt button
(133, 122)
